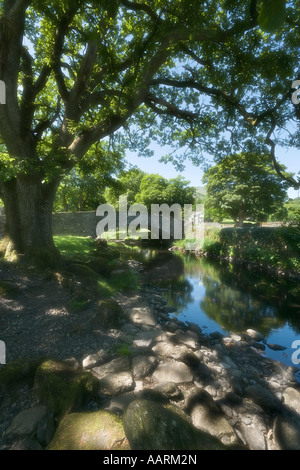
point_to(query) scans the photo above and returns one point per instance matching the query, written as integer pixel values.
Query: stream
(229, 299)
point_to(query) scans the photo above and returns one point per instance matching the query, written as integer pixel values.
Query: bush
(277, 247)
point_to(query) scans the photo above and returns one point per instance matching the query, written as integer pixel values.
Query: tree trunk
(28, 207)
(240, 222)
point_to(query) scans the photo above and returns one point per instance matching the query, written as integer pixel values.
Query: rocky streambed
(166, 385)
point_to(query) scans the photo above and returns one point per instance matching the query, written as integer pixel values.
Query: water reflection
(228, 298)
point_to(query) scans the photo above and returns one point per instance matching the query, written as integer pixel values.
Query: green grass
(83, 248)
(119, 283)
(71, 246)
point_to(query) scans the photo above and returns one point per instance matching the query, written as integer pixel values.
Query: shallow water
(230, 299)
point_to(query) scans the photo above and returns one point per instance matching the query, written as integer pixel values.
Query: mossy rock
(109, 314)
(101, 265)
(62, 388)
(153, 426)
(99, 430)
(84, 273)
(18, 370)
(108, 253)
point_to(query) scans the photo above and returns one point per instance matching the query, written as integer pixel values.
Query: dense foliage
(270, 247)
(245, 186)
(150, 188)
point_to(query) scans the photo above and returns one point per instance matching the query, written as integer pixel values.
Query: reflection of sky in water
(191, 311)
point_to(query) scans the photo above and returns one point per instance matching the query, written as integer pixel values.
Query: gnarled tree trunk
(28, 204)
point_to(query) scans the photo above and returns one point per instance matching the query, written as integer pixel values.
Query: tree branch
(60, 33)
(276, 165)
(171, 109)
(73, 110)
(138, 6)
(47, 123)
(249, 117)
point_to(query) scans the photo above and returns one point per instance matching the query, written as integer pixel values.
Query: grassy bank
(277, 248)
(102, 266)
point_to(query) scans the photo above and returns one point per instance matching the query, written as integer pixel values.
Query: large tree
(186, 72)
(244, 186)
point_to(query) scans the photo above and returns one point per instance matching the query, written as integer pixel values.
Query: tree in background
(245, 186)
(155, 189)
(186, 73)
(150, 188)
(127, 185)
(293, 211)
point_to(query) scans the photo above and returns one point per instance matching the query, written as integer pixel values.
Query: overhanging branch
(276, 165)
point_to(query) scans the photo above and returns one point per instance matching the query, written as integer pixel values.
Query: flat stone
(254, 431)
(207, 417)
(142, 366)
(120, 364)
(276, 347)
(187, 338)
(93, 360)
(292, 399)
(130, 329)
(26, 422)
(147, 338)
(264, 398)
(254, 334)
(141, 316)
(115, 384)
(166, 349)
(169, 390)
(287, 433)
(177, 372)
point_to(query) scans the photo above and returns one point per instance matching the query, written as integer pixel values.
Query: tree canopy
(150, 188)
(84, 187)
(244, 186)
(200, 76)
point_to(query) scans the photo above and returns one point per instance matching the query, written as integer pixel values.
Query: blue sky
(290, 158)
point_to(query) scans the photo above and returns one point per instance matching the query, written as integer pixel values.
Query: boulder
(62, 388)
(26, 422)
(207, 417)
(153, 426)
(287, 433)
(264, 398)
(109, 314)
(99, 430)
(19, 370)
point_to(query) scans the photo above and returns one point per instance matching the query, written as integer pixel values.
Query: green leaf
(272, 15)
